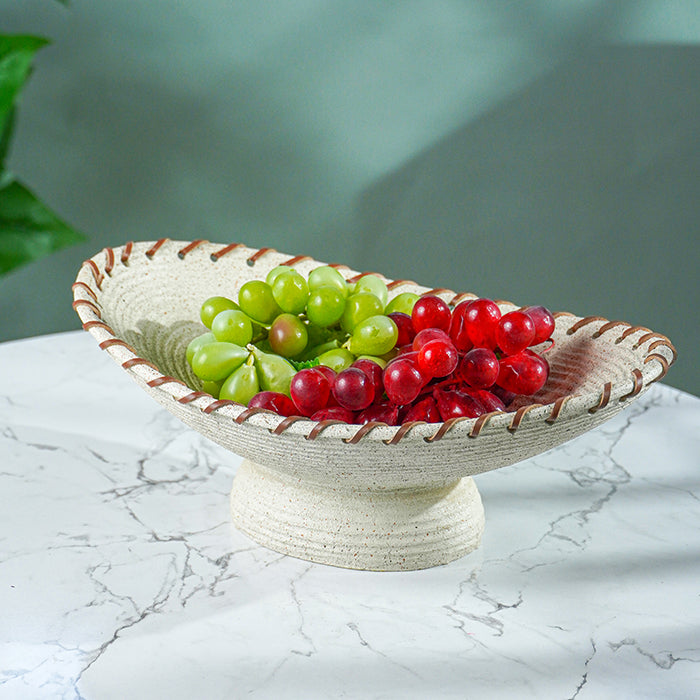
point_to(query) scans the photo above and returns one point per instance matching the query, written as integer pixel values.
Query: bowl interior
(148, 295)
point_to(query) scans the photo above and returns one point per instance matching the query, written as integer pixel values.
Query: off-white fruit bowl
(371, 497)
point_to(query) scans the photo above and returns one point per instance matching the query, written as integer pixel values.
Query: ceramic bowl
(371, 497)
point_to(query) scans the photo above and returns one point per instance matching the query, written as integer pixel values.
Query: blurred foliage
(29, 230)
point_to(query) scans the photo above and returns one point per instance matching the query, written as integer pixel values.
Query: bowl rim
(87, 287)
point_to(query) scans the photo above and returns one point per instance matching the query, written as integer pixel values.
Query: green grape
(403, 302)
(196, 343)
(214, 306)
(375, 335)
(275, 272)
(359, 307)
(274, 372)
(373, 358)
(327, 276)
(212, 387)
(290, 291)
(215, 361)
(373, 285)
(288, 336)
(256, 300)
(325, 306)
(337, 359)
(242, 384)
(232, 326)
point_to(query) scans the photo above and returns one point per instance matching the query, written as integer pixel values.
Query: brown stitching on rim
(556, 409)
(560, 314)
(126, 253)
(244, 415)
(190, 246)
(604, 398)
(403, 430)
(399, 283)
(296, 259)
(285, 423)
(321, 426)
(165, 379)
(609, 326)
(109, 265)
(503, 302)
(631, 330)
(193, 396)
(85, 302)
(258, 254)
(481, 422)
(128, 364)
(154, 248)
(662, 361)
(115, 341)
(84, 286)
(638, 384)
(97, 275)
(444, 428)
(437, 291)
(584, 322)
(520, 414)
(360, 275)
(216, 405)
(338, 266)
(667, 343)
(97, 324)
(223, 251)
(366, 428)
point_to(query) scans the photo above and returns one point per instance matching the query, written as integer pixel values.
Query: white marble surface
(121, 576)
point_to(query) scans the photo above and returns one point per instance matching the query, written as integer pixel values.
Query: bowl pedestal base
(354, 527)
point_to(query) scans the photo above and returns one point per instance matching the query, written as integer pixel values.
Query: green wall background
(544, 152)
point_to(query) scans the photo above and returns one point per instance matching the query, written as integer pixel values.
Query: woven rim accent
(86, 302)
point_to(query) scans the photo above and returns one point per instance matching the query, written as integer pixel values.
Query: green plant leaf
(29, 230)
(16, 56)
(6, 136)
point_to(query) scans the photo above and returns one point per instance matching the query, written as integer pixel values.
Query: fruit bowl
(373, 496)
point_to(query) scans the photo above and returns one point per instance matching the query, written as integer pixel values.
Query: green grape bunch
(287, 322)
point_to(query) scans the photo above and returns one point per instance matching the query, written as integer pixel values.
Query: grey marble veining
(122, 577)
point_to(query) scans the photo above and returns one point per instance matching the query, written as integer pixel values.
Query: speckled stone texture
(357, 528)
(140, 302)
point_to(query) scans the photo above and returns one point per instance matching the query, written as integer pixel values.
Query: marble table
(122, 577)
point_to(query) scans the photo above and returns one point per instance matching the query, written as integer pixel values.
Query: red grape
(310, 390)
(544, 323)
(426, 410)
(438, 358)
(479, 368)
(453, 403)
(481, 318)
(431, 312)
(406, 331)
(458, 330)
(487, 399)
(374, 372)
(274, 401)
(334, 413)
(515, 332)
(428, 334)
(384, 412)
(524, 373)
(402, 381)
(329, 373)
(353, 389)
